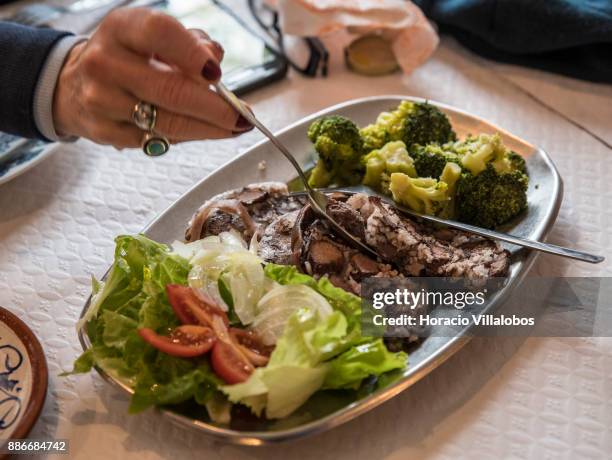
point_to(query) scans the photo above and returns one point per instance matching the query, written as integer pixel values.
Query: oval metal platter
(263, 163)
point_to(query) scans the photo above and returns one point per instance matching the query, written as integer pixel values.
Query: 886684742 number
(29, 446)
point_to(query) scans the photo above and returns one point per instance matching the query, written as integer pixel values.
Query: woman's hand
(136, 55)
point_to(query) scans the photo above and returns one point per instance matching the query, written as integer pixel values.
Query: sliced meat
(219, 221)
(265, 212)
(345, 283)
(292, 233)
(348, 217)
(318, 252)
(394, 239)
(476, 259)
(361, 266)
(419, 250)
(325, 257)
(250, 196)
(361, 203)
(262, 203)
(275, 244)
(303, 223)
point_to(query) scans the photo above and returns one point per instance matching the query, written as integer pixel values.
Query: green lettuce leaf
(169, 380)
(294, 371)
(133, 296)
(307, 339)
(300, 365)
(117, 328)
(351, 367)
(314, 353)
(82, 364)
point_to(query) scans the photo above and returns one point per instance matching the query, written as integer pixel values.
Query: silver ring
(155, 145)
(144, 116)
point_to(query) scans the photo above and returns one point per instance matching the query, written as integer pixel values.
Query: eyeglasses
(307, 55)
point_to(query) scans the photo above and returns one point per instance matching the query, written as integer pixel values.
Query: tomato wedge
(251, 346)
(190, 309)
(185, 341)
(229, 364)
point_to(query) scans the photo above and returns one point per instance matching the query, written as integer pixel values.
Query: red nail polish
(211, 70)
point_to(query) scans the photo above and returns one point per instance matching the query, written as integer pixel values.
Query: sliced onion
(254, 244)
(232, 238)
(227, 255)
(230, 206)
(246, 279)
(188, 250)
(279, 304)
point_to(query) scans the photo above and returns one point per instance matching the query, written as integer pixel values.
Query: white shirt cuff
(45, 88)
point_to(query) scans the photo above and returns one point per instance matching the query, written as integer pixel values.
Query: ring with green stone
(155, 145)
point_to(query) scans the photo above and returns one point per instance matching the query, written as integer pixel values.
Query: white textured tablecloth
(534, 398)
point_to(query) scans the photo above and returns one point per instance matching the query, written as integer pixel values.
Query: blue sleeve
(23, 52)
(572, 37)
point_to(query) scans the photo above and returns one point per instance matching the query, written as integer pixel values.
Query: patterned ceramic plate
(23, 377)
(17, 155)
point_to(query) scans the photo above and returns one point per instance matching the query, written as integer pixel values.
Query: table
(510, 397)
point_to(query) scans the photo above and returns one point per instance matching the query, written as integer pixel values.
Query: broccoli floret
(472, 153)
(479, 151)
(320, 176)
(336, 139)
(338, 128)
(374, 137)
(427, 124)
(425, 194)
(411, 123)
(388, 127)
(381, 163)
(518, 162)
(430, 159)
(491, 198)
(493, 185)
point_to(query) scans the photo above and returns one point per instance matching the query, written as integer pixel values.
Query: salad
(210, 323)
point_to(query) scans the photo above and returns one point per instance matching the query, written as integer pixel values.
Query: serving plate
(329, 409)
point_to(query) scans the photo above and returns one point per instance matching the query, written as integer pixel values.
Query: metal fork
(532, 244)
(318, 200)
